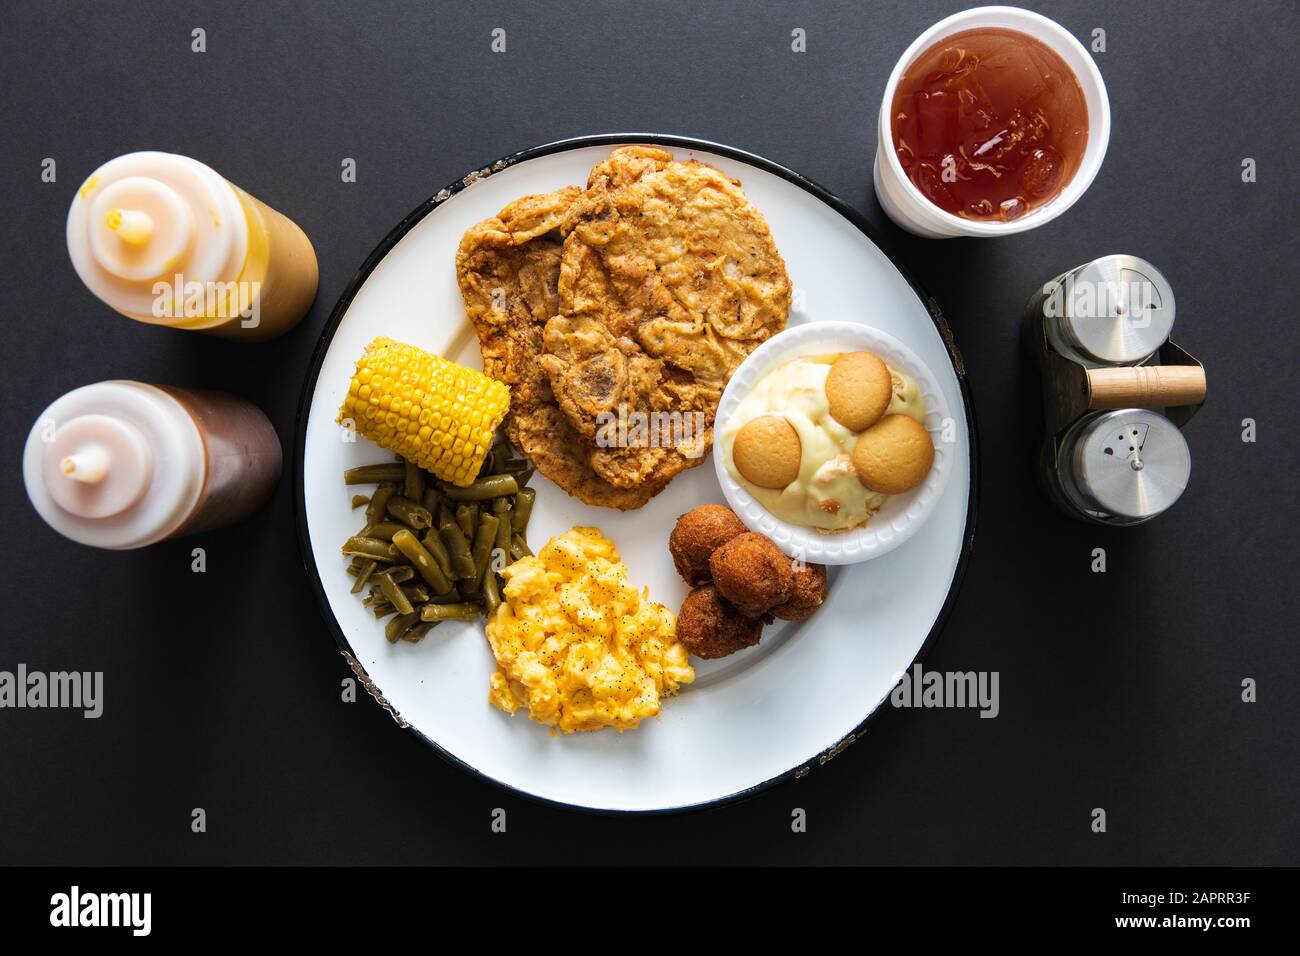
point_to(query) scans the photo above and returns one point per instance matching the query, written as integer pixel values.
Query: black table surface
(1120, 690)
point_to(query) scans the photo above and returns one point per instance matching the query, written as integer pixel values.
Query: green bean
(428, 551)
(395, 595)
(502, 544)
(370, 548)
(363, 575)
(467, 518)
(399, 626)
(416, 553)
(523, 509)
(409, 513)
(520, 468)
(431, 499)
(484, 487)
(491, 593)
(451, 597)
(415, 633)
(449, 612)
(384, 530)
(398, 574)
(519, 548)
(483, 540)
(413, 481)
(416, 593)
(433, 544)
(374, 474)
(462, 562)
(379, 502)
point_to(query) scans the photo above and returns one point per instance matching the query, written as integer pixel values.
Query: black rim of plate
(536, 152)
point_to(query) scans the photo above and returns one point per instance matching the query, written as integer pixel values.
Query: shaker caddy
(1116, 391)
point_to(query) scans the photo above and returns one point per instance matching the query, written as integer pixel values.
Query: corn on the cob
(432, 412)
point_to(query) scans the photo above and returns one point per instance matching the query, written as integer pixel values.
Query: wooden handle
(1146, 386)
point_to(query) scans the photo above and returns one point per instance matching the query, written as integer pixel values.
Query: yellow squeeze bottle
(164, 239)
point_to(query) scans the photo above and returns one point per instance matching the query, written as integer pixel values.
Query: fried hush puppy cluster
(742, 581)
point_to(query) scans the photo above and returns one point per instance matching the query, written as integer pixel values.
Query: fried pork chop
(508, 268)
(669, 279)
(638, 295)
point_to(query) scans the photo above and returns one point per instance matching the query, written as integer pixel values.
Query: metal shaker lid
(1116, 310)
(1132, 463)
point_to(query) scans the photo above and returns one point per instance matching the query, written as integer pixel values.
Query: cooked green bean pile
(433, 552)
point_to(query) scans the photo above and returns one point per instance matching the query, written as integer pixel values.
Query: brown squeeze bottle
(122, 464)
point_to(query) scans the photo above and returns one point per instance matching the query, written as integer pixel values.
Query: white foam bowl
(908, 207)
(901, 516)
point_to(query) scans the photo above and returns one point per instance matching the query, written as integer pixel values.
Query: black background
(1119, 690)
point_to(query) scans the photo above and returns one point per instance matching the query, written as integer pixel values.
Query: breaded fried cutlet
(508, 268)
(633, 299)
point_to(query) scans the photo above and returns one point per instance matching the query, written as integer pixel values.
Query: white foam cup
(905, 204)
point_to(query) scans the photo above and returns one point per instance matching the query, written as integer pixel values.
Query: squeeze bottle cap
(97, 466)
(147, 218)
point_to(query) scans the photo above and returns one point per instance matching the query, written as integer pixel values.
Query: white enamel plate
(749, 720)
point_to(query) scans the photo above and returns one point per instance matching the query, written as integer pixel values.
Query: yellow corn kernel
(432, 412)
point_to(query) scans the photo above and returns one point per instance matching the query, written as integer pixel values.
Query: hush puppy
(709, 627)
(752, 573)
(695, 537)
(809, 593)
